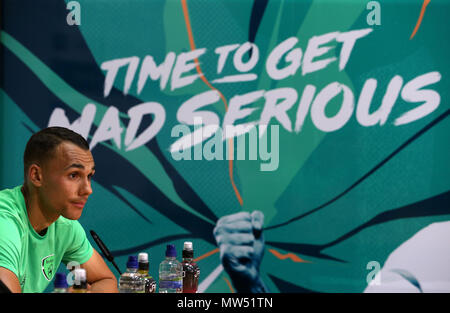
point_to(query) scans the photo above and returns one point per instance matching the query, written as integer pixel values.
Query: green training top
(32, 257)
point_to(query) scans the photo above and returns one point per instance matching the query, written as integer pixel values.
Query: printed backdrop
(358, 92)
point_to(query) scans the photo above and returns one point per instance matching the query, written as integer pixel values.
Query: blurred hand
(241, 243)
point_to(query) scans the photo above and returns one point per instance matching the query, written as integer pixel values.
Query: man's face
(66, 181)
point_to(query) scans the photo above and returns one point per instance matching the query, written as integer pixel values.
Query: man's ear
(35, 175)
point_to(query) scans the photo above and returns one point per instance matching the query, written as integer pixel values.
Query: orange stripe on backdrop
(290, 256)
(206, 255)
(229, 285)
(419, 21)
(203, 78)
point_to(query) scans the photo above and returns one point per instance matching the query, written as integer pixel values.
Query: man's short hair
(41, 145)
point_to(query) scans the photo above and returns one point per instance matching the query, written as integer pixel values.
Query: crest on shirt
(48, 266)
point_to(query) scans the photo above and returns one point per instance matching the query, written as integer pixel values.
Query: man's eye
(73, 175)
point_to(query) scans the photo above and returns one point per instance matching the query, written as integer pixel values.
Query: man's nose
(86, 188)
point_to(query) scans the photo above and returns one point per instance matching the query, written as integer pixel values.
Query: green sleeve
(80, 249)
(10, 243)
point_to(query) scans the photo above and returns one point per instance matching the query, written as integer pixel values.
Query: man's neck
(39, 218)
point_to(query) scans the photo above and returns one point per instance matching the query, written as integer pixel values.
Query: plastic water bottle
(150, 284)
(170, 273)
(131, 281)
(60, 283)
(190, 268)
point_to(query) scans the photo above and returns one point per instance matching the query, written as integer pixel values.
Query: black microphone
(105, 250)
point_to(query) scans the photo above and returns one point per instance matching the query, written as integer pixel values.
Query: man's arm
(99, 276)
(10, 280)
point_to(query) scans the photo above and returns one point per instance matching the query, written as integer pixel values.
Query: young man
(38, 221)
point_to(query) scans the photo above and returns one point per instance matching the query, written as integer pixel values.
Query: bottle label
(171, 284)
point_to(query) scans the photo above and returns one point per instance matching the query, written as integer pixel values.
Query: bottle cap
(80, 275)
(132, 262)
(171, 251)
(143, 257)
(60, 280)
(187, 245)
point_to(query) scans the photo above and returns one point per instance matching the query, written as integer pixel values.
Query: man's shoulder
(12, 218)
(10, 195)
(10, 203)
